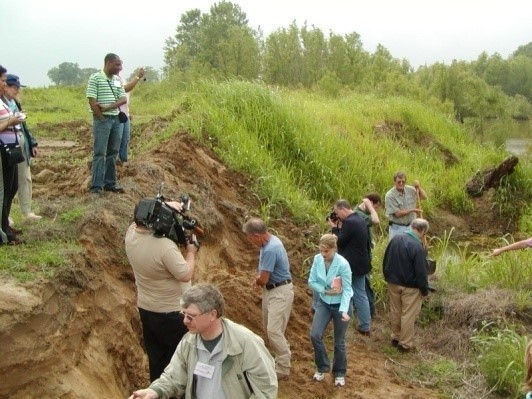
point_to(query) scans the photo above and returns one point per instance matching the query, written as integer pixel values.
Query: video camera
(155, 214)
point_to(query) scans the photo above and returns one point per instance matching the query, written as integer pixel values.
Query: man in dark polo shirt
(353, 245)
(106, 93)
(277, 291)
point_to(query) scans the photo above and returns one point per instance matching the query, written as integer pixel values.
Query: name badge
(204, 370)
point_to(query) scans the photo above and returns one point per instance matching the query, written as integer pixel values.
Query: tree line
(221, 44)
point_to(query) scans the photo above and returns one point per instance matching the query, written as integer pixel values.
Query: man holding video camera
(162, 274)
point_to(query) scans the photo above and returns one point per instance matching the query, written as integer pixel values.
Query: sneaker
(318, 376)
(31, 217)
(339, 381)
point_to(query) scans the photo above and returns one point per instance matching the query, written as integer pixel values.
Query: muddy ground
(78, 334)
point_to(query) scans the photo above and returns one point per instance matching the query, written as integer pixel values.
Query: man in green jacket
(217, 358)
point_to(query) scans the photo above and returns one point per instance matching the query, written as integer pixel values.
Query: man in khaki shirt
(162, 274)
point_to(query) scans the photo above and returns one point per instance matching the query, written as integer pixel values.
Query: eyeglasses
(400, 181)
(191, 317)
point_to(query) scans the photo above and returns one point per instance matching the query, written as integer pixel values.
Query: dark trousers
(10, 178)
(162, 332)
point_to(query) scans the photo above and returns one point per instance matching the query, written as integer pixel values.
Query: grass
(36, 260)
(500, 356)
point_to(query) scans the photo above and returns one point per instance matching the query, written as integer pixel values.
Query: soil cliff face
(78, 335)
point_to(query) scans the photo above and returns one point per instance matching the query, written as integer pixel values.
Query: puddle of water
(518, 146)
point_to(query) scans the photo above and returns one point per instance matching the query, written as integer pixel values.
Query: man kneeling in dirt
(405, 270)
(218, 359)
(161, 276)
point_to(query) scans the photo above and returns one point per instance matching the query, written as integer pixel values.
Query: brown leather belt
(275, 285)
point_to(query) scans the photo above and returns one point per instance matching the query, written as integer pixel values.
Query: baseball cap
(13, 80)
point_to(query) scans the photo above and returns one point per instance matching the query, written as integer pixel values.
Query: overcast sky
(38, 35)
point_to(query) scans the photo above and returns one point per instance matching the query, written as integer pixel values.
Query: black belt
(399, 224)
(275, 285)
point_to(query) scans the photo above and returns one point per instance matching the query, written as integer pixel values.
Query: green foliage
(72, 215)
(58, 106)
(222, 45)
(35, 260)
(501, 359)
(66, 74)
(219, 43)
(329, 85)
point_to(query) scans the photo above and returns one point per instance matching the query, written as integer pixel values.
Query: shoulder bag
(12, 152)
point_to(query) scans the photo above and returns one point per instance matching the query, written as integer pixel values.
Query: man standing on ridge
(106, 94)
(277, 291)
(402, 204)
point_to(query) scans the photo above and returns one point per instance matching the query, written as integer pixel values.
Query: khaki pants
(276, 309)
(24, 182)
(405, 306)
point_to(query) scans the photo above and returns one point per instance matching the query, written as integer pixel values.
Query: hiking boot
(364, 333)
(339, 381)
(281, 377)
(115, 189)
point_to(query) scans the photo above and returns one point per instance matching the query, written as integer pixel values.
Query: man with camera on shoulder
(162, 274)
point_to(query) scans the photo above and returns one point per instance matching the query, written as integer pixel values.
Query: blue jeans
(360, 301)
(106, 135)
(124, 140)
(370, 294)
(323, 315)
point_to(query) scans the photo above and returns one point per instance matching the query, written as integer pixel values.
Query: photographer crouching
(162, 274)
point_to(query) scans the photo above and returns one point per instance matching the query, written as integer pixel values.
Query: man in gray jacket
(217, 358)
